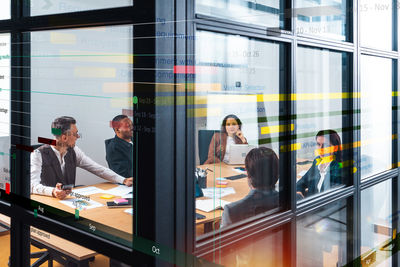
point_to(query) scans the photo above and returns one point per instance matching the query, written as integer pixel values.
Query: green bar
(135, 100)
(35, 212)
(56, 131)
(77, 214)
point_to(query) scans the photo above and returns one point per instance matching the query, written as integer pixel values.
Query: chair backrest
(204, 140)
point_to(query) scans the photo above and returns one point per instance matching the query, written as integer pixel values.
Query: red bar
(182, 69)
(127, 112)
(7, 188)
(47, 141)
(23, 147)
(115, 124)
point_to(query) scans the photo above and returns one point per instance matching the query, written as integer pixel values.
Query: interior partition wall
(29, 24)
(341, 74)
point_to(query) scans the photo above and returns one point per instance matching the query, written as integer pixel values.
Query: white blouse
(230, 141)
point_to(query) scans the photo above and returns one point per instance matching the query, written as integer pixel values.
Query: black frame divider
(141, 14)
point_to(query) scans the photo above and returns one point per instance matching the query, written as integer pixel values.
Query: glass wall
(265, 12)
(376, 115)
(376, 223)
(4, 239)
(46, 7)
(322, 236)
(327, 19)
(5, 7)
(376, 23)
(322, 82)
(81, 106)
(237, 111)
(5, 75)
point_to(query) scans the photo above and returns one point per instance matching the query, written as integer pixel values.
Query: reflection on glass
(322, 76)
(259, 251)
(262, 12)
(5, 111)
(236, 110)
(322, 238)
(4, 240)
(376, 115)
(327, 19)
(82, 123)
(45, 7)
(376, 23)
(5, 7)
(75, 255)
(376, 222)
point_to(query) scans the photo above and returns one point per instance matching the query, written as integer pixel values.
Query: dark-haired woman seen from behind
(326, 170)
(262, 167)
(231, 133)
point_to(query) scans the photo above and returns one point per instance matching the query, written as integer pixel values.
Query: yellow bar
(117, 87)
(92, 72)
(204, 87)
(291, 147)
(62, 38)
(87, 56)
(276, 129)
(218, 99)
(204, 112)
(123, 102)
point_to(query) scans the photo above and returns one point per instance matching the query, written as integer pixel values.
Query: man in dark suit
(326, 171)
(119, 154)
(262, 167)
(119, 150)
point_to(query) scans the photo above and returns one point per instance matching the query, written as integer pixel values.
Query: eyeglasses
(77, 135)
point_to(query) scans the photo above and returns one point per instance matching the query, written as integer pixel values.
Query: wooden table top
(115, 217)
(240, 185)
(68, 248)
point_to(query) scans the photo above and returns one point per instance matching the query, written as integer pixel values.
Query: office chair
(204, 140)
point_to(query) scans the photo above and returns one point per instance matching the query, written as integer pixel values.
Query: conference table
(115, 218)
(241, 187)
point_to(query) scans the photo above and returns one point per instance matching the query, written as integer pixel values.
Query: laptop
(238, 152)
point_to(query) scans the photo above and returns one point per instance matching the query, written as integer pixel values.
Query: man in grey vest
(54, 166)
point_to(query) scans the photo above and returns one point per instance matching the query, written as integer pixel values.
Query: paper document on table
(120, 190)
(130, 195)
(130, 211)
(81, 204)
(208, 205)
(87, 191)
(214, 192)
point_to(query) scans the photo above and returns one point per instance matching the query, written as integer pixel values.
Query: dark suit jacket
(119, 156)
(334, 177)
(256, 202)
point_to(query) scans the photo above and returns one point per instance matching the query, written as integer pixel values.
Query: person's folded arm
(36, 171)
(90, 165)
(226, 218)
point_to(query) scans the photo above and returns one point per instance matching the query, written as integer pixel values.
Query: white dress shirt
(82, 161)
(323, 174)
(229, 141)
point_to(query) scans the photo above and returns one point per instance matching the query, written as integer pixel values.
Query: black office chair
(204, 140)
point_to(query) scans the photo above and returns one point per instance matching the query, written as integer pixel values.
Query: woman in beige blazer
(231, 133)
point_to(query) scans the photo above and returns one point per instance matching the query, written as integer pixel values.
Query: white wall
(79, 86)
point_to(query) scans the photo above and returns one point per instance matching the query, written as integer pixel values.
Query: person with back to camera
(231, 133)
(262, 167)
(326, 171)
